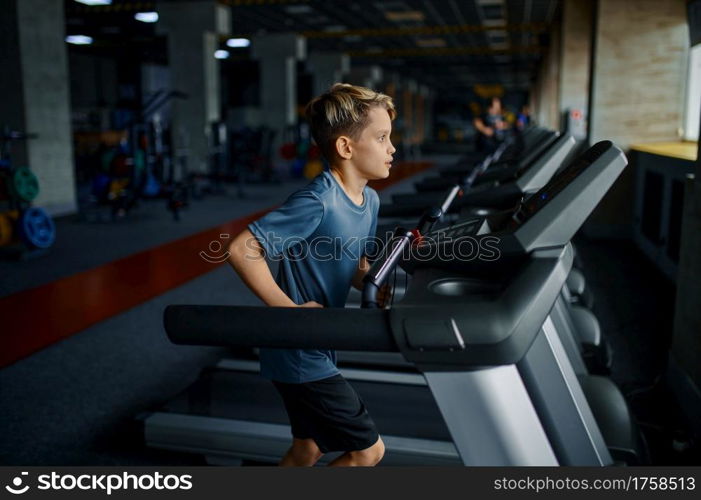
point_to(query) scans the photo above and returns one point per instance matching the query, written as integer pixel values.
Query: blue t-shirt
(318, 235)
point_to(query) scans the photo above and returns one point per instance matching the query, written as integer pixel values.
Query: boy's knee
(307, 450)
(370, 456)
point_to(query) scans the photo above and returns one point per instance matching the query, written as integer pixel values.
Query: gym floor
(75, 401)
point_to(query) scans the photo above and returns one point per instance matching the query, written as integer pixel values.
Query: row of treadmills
(485, 358)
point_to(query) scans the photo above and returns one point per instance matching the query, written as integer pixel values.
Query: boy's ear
(343, 147)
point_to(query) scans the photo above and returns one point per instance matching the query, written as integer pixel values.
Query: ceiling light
(494, 23)
(430, 42)
(238, 42)
(335, 28)
(407, 15)
(497, 36)
(79, 39)
(493, 12)
(94, 2)
(221, 54)
(146, 17)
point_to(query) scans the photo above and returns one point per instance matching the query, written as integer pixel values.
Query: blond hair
(343, 110)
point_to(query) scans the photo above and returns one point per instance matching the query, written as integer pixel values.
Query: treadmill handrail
(280, 327)
(379, 273)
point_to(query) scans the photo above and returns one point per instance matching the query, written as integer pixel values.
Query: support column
(575, 65)
(408, 106)
(637, 94)
(328, 68)
(367, 76)
(686, 343)
(278, 55)
(421, 104)
(544, 99)
(429, 118)
(193, 29)
(393, 85)
(639, 71)
(35, 97)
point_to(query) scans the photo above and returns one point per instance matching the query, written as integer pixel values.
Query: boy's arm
(247, 258)
(363, 267)
(481, 127)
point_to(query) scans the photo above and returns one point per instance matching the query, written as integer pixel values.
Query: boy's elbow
(234, 254)
(237, 249)
(233, 250)
(244, 246)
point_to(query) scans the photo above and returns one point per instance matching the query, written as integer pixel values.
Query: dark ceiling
(449, 45)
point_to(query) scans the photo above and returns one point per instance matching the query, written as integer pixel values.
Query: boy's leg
(368, 457)
(327, 415)
(302, 453)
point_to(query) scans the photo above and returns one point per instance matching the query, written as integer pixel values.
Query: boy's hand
(502, 125)
(311, 304)
(384, 295)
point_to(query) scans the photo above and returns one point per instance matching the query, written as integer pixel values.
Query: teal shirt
(318, 236)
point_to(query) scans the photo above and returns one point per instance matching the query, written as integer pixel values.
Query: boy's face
(372, 152)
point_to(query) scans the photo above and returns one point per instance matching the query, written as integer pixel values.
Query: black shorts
(330, 412)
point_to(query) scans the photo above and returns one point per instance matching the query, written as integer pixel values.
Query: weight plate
(5, 229)
(25, 184)
(36, 228)
(5, 190)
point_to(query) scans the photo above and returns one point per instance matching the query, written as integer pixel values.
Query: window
(693, 95)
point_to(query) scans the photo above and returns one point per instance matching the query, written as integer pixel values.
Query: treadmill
(505, 190)
(526, 176)
(495, 385)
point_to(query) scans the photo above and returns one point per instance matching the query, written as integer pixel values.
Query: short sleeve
(294, 221)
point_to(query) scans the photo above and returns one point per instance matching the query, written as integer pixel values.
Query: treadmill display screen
(561, 180)
(467, 228)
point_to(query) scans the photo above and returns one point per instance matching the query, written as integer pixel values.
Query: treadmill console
(547, 219)
(562, 179)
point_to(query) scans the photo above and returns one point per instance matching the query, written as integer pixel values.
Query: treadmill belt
(399, 410)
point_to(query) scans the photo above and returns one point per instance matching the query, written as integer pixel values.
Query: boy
(318, 235)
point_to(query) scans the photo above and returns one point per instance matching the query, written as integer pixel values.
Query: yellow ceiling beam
(244, 3)
(451, 29)
(446, 51)
(418, 30)
(131, 6)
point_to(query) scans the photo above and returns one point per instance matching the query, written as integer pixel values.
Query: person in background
(492, 126)
(320, 237)
(523, 119)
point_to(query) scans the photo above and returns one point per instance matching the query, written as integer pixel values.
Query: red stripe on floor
(36, 318)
